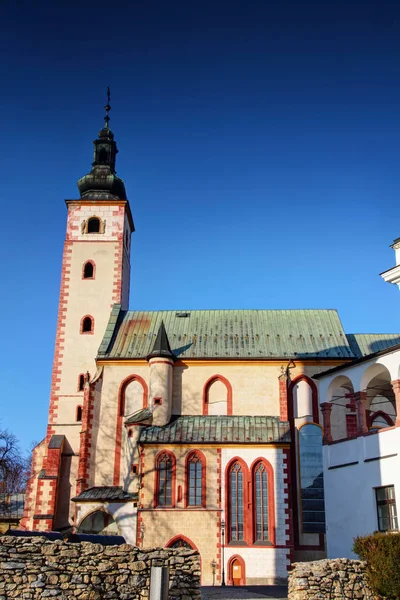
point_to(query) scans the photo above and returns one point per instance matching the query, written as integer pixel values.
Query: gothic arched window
(260, 508)
(236, 504)
(195, 479)
(165, 480)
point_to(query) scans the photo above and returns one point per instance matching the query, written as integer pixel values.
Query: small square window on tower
(157, 401)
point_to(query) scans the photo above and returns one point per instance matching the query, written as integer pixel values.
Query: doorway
(236, 571)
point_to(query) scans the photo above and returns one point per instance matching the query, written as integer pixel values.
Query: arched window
(93, 225)
(217, 396)
(87, 325)
(81, 382)
(195, 479)
(88, 270)
(311, 479)
(260, 483)
(79, 413)
(165, 472)
(99, 522)
(236, 504)
(379, 420)
(179, 542)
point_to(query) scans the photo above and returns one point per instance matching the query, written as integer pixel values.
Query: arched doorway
(236, 571)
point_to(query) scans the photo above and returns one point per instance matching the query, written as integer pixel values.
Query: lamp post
(223, 557)
(213, 567)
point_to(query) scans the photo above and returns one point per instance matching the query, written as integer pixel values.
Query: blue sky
(259, 143)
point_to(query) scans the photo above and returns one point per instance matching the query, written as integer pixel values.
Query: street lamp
(213, 567)
(223, 558)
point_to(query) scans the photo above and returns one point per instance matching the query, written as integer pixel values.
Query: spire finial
(107, 107)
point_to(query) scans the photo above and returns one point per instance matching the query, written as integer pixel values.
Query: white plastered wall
(350, 504)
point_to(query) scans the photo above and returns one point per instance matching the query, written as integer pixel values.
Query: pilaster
(326, 409)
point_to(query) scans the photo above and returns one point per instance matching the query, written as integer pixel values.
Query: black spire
(161, 347)
(102, 182)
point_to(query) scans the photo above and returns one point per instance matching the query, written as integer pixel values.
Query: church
(196, 428)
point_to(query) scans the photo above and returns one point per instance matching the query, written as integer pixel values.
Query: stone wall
(33, 567)
(329, 579)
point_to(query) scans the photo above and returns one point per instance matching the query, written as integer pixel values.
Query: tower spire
(102, 182)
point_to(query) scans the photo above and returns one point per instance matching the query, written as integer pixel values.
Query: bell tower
(95, 275)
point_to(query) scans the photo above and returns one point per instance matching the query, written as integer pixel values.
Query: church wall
(198, 524)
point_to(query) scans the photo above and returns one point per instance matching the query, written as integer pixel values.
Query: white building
(360, 403)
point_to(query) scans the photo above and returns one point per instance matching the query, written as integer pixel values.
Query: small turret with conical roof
(161, 360)
(161, 347)
(102, 182)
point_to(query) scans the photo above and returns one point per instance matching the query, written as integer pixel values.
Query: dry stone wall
(32, 568)
(329, 579)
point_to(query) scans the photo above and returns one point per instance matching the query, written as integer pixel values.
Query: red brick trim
(314, 396)
(206, 388)
(271, 499)
(202, 459)
(60, 337)
(157, 479)
(91, 332)
(85, 439)
(247, 525)
(229, 569)
(89, 262)
(283, 397)
(120, 419)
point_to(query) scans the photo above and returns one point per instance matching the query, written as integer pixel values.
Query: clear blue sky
(259, 143)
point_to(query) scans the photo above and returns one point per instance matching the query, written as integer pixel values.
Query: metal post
(223, 547)
(159, 583)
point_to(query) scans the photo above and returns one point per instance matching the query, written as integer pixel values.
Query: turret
(161, 360)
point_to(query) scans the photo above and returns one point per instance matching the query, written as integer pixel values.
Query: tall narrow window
(79, 413)
(164, 479)
(81, 383)
(236, 522)
(260, 483)
(311, 479)
(88, 270)
(194, 483)
(87, 325)
(386, 506)
(93, 225)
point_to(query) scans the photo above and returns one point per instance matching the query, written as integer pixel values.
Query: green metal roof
(363, 344)
(216, 429)
(227, 334)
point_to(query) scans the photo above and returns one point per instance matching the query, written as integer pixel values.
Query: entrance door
(236, 572)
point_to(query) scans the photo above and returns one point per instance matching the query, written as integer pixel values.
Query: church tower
(95, 276)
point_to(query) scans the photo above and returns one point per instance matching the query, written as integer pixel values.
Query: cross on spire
(107, 107)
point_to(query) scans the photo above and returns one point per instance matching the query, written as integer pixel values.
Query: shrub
(381, 552)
